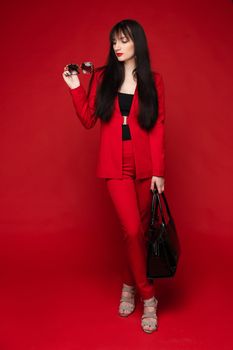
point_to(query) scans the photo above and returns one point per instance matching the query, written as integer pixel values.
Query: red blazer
(148, 145)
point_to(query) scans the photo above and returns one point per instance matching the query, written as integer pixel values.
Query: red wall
(53, 208)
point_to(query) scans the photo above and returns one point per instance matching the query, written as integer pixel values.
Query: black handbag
(163, 246)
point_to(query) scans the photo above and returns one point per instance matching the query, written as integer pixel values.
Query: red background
(60, 248)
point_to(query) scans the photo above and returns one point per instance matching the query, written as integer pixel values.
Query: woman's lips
(119, 54)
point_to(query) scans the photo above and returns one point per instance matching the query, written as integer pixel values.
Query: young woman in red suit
(128, 99)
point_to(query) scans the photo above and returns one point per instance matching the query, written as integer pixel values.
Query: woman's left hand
(159, 182)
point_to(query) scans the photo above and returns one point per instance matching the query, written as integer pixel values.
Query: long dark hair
(113, 74)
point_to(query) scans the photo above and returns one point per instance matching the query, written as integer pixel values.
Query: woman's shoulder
(96, 75)
(156, 75)
(98, 71)
(158, 79)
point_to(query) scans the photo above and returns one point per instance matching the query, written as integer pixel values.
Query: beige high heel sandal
(153, 322)
(127, 303)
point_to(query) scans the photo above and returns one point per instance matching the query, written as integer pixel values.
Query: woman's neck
(129, 65)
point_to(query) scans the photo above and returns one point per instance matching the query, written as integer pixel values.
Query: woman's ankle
(148, 299)
(129, 285)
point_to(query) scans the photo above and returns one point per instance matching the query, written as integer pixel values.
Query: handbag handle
(154, 209)
(156, 196)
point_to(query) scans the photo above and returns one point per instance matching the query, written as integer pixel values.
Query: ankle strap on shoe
(152, 302)
(128, 288)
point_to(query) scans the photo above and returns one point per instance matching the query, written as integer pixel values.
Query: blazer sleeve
(156, 134)
(84, 103)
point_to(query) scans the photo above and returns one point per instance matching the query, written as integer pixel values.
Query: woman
(128, 98)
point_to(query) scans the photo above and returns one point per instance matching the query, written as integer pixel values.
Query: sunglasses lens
(73, 67)
(87, 67)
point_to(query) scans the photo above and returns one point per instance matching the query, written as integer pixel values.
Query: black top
(125, 101)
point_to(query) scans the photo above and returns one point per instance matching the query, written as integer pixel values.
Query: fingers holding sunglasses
(68, 71)
(71, 78)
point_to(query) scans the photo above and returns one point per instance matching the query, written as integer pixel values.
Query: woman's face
(123, 45)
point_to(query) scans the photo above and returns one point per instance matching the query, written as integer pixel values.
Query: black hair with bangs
(113, 75)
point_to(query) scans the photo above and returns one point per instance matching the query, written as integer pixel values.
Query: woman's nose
(117, 47)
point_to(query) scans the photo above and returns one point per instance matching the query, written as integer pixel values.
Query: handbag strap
(154, 209)
(166, 205)
(156, 196)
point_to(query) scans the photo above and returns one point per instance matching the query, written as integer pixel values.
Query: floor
(71, 311)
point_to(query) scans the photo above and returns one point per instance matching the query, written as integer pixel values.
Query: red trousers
(132, 201)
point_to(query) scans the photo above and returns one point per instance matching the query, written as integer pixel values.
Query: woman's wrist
(74, 87)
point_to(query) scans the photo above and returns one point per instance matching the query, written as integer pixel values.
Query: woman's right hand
(71, 80)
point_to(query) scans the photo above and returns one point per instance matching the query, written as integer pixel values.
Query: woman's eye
(123, 41)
